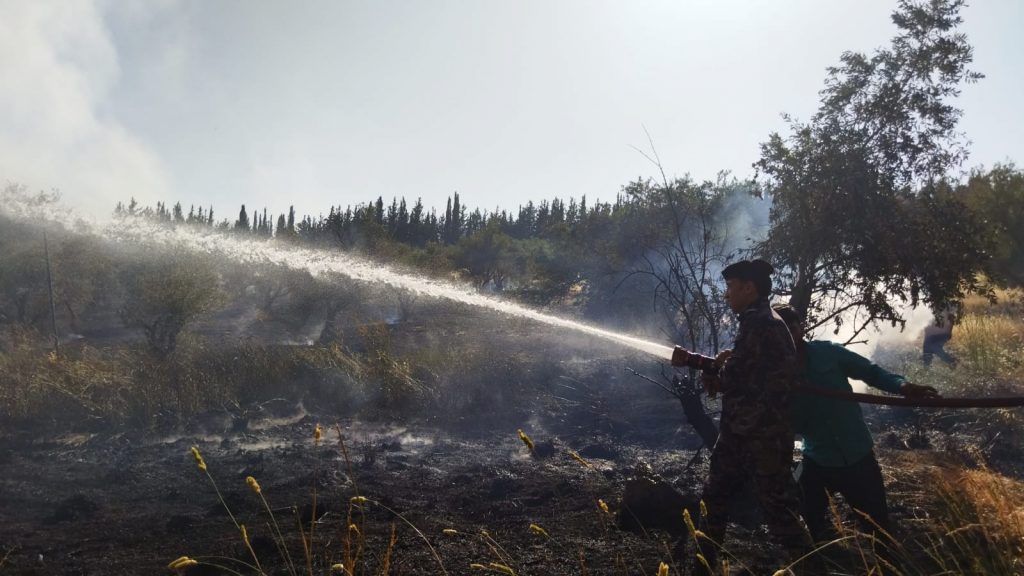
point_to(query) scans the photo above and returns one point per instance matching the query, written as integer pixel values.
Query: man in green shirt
(837, 446)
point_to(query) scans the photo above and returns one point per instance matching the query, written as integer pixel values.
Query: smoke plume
(60, 63)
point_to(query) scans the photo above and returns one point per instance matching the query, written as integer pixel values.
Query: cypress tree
(243, 220)
(446, 232)
(456, 229)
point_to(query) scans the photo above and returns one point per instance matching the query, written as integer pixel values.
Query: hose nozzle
(681, 357)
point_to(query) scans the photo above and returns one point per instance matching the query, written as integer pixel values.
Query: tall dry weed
(979, 527)
(990, 345)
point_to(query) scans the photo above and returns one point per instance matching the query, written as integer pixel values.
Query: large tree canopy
(862, 219)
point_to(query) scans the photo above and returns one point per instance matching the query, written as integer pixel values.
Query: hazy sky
(321, 103)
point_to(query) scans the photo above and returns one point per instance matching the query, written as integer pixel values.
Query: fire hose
(1000, 402)
(684, 358)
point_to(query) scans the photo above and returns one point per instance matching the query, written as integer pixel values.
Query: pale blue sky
(320, 103)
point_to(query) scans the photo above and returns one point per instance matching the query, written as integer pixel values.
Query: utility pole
(53, 308)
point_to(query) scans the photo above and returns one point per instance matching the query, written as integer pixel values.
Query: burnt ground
(125, 501)
(129, 503)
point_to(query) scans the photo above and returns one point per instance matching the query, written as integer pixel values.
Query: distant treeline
(996, 195)
(395, 220)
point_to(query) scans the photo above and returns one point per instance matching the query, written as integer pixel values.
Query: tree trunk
(800, 298)
(693, 409)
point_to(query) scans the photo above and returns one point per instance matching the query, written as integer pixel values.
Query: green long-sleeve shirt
(834, 431)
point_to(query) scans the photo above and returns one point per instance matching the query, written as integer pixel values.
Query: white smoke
(883, 342)
(885, 336)
(746, 217)
(59, 64)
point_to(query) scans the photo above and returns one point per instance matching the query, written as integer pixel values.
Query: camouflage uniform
(756, 441)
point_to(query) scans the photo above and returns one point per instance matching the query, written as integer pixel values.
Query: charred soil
(129, 503)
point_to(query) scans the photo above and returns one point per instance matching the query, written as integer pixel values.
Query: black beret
(748, 270)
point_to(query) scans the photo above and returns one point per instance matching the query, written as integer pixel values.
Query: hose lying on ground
(1004, 402)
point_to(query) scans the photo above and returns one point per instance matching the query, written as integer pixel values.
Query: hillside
(420, 400)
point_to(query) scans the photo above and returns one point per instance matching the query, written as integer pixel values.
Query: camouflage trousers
(767, 460)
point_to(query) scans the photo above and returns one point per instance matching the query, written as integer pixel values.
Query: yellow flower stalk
(182, 563)
(689, 521)
(502, 568)
(781, 572)
(358, 499)
(354, 528)
(603, 506)
(248, 545)
(199, 459)
(663, 569)
(699, 534)
(526, 439)
(538, 530)
(450, 531)
(478, 567)
(703, 510)
(337, 567)
(725, 567)
(317, 433)
(253, 484)
(575, 456)
(704, 561)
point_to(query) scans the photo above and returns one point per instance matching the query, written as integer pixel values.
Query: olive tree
(165, 294)
(862, 220)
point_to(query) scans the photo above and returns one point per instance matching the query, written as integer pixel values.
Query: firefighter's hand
(918, 391)
(711, 383)
(722, 357)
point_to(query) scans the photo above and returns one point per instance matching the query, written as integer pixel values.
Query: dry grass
(967, 521)
(392, 375)
(378, 377)
(1004, 301)
(130, 385)
(990, 345)
(35, 383)
(979, 526)
(990, 337)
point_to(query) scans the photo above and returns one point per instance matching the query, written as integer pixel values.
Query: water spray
(140, 232)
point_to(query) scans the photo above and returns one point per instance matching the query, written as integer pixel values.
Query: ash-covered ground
(130, 502)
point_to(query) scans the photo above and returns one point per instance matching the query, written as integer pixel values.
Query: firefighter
(755, 380)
